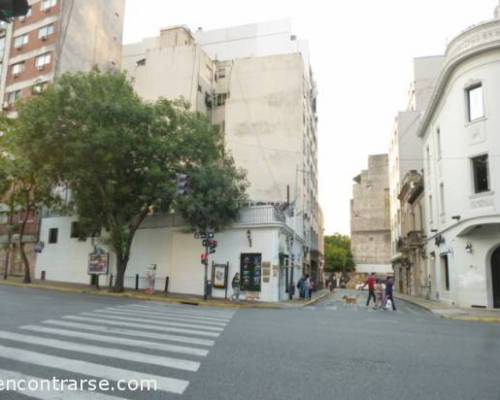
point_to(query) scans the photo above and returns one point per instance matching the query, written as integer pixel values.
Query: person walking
(333, 283)
(291, 290)
(389, 287)
(371, 288)
(307, 287)
(300, 286)
(236, 287)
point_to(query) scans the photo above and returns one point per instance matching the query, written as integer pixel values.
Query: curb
(133, 296)
(486, 320)
(316, 299)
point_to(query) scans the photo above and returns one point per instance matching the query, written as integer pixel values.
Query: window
(438, 142)
(75, 234)
(17, 68)
(441, 195)
(141, 62)
(43, 60)
(221, 99)
(12, 97)
(53, 233)
(45, 31)
(221, 73)
(474, 98)
(47, 4)
(21, 41)
(446, 271)
(480, 173)
(39, 87)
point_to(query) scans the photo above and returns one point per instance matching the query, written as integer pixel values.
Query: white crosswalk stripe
(118, 340)
(130, 332)
(140, 325)
(164, 316)
(119, 343)
(204, 316)
(154, 321)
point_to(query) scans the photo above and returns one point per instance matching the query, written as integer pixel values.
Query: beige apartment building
(370, 221)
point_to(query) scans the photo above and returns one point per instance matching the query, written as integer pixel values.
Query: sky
(362, 56)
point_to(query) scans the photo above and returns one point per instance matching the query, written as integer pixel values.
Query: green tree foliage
(119, 156)
(338, 256)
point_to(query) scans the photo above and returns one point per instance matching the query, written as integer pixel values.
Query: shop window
(480, 174)
(53, 233)
(474, 99)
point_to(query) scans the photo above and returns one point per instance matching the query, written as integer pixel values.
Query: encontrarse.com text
(76, 385)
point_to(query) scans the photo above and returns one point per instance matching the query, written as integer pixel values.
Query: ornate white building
(461, 151)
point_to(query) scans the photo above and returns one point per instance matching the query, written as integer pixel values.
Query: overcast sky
(361, 54)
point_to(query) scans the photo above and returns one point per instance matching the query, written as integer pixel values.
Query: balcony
(261, 215)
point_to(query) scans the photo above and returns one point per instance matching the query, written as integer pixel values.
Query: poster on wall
(98, 262)
(219, 276)
(250, 271)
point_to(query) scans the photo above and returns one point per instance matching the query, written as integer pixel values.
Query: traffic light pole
(205, 281)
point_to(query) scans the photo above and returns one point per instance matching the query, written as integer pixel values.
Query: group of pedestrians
(381, 296)
(305, 286)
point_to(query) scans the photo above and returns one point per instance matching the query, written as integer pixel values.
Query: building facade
(462, 170)
(405, 154)
(256, 85)
(56, 36)
(370, 221)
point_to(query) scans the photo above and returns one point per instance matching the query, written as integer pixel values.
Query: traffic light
(182, 184)
(212, 245)
(13, 8)
(204, 259)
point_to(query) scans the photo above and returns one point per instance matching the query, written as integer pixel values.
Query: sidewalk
(451, 312)
(159, 296)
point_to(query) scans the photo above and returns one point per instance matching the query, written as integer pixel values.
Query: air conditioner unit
(16, 75)
(44, 37)
(40, 67)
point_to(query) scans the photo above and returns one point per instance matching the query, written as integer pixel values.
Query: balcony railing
(257, 215)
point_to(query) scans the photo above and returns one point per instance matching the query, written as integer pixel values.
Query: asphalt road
(329, 351)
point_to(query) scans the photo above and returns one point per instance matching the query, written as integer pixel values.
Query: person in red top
(371, 281)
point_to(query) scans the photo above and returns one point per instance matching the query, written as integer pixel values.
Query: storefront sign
(219, 276)
(98, 262)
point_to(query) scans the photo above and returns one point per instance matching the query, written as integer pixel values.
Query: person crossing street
(371, 288)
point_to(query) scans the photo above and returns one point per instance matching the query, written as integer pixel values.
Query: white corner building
(461, 148)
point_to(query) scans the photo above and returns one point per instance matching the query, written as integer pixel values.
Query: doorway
(495, 277)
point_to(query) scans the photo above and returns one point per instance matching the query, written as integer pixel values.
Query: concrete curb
(467, 318)
(317, 299)
(142, 297)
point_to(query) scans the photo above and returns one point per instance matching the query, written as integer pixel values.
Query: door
(495, 277)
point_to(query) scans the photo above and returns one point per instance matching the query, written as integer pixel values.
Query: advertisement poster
(98, 262)
(219, 276)
(251, 271)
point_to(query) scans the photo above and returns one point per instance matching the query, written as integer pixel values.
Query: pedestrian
(300, 286)
(332, 284)
(379, 292)
(307, 287)
(291, 290)
(236, 287)
(389, 286)
(371, 288)
(312, 287)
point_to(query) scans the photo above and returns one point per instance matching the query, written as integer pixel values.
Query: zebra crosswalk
(152, 342)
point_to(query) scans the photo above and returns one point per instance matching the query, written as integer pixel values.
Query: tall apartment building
(56, 36)
(255, 83)
(370, 222)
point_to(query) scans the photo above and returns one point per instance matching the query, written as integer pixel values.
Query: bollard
(136, 281)
(166, 284)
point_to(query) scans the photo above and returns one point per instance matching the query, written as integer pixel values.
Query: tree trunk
(120, 275)
(27, 272)
(9, 239)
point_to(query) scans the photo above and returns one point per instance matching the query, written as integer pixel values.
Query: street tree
(117, 155)
(338, 256)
